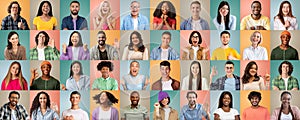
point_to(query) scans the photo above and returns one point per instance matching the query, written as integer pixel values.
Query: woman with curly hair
(14, 79)
(104, 19)
(105, 111)
(250, 79)
(105, 82)
(285, 20)
(40, 108)
(135, 50)
(164, 16)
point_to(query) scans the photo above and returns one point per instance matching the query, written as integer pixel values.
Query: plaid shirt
(50, 53)
(220, 82)
(21, 113)
(279, 82)
(9, 24)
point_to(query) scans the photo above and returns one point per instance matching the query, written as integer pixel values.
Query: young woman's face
(43, 99)
(286, 99)
(14, 70)
(224, 10)
(14, 39)
(253, 70)
(76, 69)
(226, 100)
(135, 39)
(165, 101)
(195, 39)
(195, 69)
(103, 98)
(165, 8)
(256, 37)
(75, 39)
(285, 9)
(105, 72)
(105, 8)
(45, 8)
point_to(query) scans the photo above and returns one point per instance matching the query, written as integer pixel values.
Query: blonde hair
(19, 75)
(261, 37)
(100, 7)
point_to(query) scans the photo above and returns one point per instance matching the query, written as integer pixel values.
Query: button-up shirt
(193, 114)
(6, 112)
(105, 84)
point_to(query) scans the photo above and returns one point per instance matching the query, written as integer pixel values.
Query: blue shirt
(84, 83)
(229, 84)
(127, 23)
(193, 114)
(187, 24)
(67, 22)
(49, 115)
(156, 52)
(133, 83)
(9, 24)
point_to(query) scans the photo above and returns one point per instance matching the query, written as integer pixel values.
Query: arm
(23, 52)
(156, 25)
(237, 117)
(115, 85)
(262, 84)
(245, 56)
(274, 85)
(265, 56)
(216, 116)
(170, 25)
(63, 24)
(95, 84)
(275, 115)
(55, 54)
(3, 85)
(233, 25)
(218, 26)
(185, 55)
(3, 25)
(95, 22)
(277, 23)
(125, 53)
(145, 54)
(243, 24)
(295, 84)
(6, 54)
(123, 86)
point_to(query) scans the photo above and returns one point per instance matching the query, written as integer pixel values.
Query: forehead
(75, 95)
(15, 5)
(195, 5)
(284, 64)
(135, 3)
(100, 34)
(46, 65)
(166, 35)
(229, 65)
(134, 95)
(191, 95)
(14, 95)
(255, 4)
(134, 64)
(164, 67)
(74, 4)
(225, 35)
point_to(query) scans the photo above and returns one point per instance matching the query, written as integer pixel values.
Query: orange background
(25, 9)
(245, 40)
(246, 8)
(111, 35)
(54, 97)
(115, 8)
(53, 34)
(153, 5)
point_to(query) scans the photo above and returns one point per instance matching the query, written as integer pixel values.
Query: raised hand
(64, 47)
(85, 47)
(21, 24)
(52, 43)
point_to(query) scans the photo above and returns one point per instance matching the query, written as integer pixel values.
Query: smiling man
(255, 21)
(285, 80)
(166, 82)
(75, 113)
(255, 112)
(74, 21)
(135, 20)
(14, 21)
(105, 82)
(134, 110)
(12, 110)
(134, 80)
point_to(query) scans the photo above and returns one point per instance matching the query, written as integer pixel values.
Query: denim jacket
(187, 24)
(127, 23)
(156, 52)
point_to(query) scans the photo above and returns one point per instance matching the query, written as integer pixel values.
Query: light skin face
(75, 99)
(286, 100)
(14, 39)
(135, 9)
(46, 8)
(74, 8)
(14, 9)
(46, 69)
(256, 37)
(103, 98)
(285, 39)
(76, 69)
(254, 101)
(165, 8)
(226, 100)
(43, 99)
(13, 100)
(101, 39)
(225, 38)
(195, 9)
(14, 69)
(134, 98)
(134, 68)
(224, 10)
(256, 8)
(105, 8)
(165, 101)
(285, 9)
(105, 72)
(41, 39)
(165, 71)
(165, 40)
(75, 39)
(192, 99)
(253, 70)
(229, 68)
(195, 69)
(285, 68)
(195, 39)
(135, 39)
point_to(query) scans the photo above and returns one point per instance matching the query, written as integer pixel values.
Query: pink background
(246, 8)
(53, 34)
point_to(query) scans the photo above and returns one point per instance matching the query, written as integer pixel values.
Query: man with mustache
(284, 51)
(103, 51)
(12, 110)
(135, 110)
(74, 21)
(255, 21)
(255, 112)
(225, 52)
(193, 110)
(135, 20)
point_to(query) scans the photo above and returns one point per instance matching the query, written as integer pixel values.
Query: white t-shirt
(227, 115)
(75, 51)
(196, 25)
(167, 113)
(195, 52)
(13, 115)
(135, 23)
(166, 85)
(41, 53)
(104, 115)
(286, 116)
(78, 114)
(286, 82)
(164, 54)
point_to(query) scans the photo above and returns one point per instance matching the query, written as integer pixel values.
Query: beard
(74, 12)
(101, 42)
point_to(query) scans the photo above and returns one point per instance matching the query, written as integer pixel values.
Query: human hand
(116, 44)
(34, 73)
(68, 117)
(63, 87)
(260, 28)
(252, 28)
(287, 24)
(205, 50)
(21, 24)
(165, 18)
(64, 47)
(110, 16)
(54, 107)
(52, 43)
(267, 77)
(85, 47)
(156, 107)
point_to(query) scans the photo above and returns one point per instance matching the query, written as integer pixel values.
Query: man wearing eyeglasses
(135, 20)
(103, 51)
(12, 110)
(225, 52)
(227, 82)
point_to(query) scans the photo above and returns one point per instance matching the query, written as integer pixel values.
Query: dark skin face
(134, 98)
(46, 70)
(13, 100)
(256, 9)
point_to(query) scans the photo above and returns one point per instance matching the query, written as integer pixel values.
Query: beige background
(24, 98)
(275, 101)
(54, 70)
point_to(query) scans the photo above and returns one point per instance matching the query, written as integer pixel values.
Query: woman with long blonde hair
(14, 79)
(104, 19)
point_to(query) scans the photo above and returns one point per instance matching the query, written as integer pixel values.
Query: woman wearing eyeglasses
(195, 51)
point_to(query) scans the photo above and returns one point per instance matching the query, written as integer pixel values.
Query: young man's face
(165, 40)
(195, 9)
(225, 38)
(74, 8)
(254, 101)
(165, 71)
(14, 9)
(135, 98)
(285, 39)
(285, 69)
(256, 8)
(192, 99)
(13, 99)
(229, 69)
(46, 69)
(101, 38)
(134, 68)
(75, 99)
(135, 8)
(105, 72)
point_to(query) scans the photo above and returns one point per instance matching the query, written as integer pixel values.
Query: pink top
(171, 22)
(13, 85)
(260, 113)
(295, 110)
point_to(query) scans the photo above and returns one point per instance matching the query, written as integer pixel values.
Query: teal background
(220, 64)
(25, 69)
(83, 12)
(214, 101)
(65, 102)
(23, 40)
(234, 10)
(174, 101)
(215, 40)
(65, 69)
(274, 70)
(275, 4)
(155, 39)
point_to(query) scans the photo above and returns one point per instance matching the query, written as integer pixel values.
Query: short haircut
(135, 2)
(256, 2)
(14, 92)
(134, 92)
(105, 64)
(229, 62)
(191, 92)
(169, 100)
(199, 35)
(135, 62)
(10, 5)
(167, 33)
(254, 94)
(291, 68)
(75, 1)
(195, 2)
(47, 38)
(224, 32)
(165, 63)
(75, 93)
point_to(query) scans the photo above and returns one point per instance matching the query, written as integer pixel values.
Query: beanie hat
(162, 95)
(286, 33)
(46, 63)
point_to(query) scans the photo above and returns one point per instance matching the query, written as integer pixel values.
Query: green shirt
(105, 84)
(50, 53)
(289, 54)
(40, 84)
(279, 82)
(134, 112)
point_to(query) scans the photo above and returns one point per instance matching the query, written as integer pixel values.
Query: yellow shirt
(222, 54)
(248, 22)
(43, 25)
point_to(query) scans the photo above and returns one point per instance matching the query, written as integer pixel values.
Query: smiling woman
(14, 50)
(225, 110)
(44, 19)
(105, 111)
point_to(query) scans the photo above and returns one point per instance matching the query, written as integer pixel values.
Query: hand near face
(85, 47)
(156, 107)
(110, 17)
(34, 73)
(54, 107)
(214, 71)
(260, 28)
(52, 43)
(63, 87)
(20, 24)
(165, 18)
(116, 44)
(64, 47)
(68, 117)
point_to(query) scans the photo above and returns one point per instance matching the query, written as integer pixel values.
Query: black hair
(291, 68)
(14, 92)
(167, 33)
(229, 62)
(40, 12)
(75, 93)
(10, 5)
(140, 45)
(81, 69)
(281, 107)
(74, 1)
(134, 92)
(199, 78)
(256, 2)
(167, 103)
(280, 13)
(108, 64)
(221, 99)
(247, 76)
(224, 32)
(171, 13)
(80, 44)
(227, 17)
(10, 34)
(191, 92)
(199, 35)
(36, 104)
(112, 99)
(47, 38)
(254, 94)
(165, 63)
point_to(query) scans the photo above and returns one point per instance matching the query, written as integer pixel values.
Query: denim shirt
(220, 82)
(84, 83)
(156, 52)
(187, 24)
(127, 23)
(193, 114)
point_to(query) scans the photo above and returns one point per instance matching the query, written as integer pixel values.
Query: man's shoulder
(6, 17)
(67, 18)
(247, 17)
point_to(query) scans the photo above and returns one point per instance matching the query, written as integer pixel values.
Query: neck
(284, 75)
(45, 77)
(230, 76)
(40, 46)
(105, 77)
(195, 76)
(12, 107)
(284, 46)
(254, 45)
(225, 46)
(285, 106)
(134, 16)
(43, 107)
(254, 107)
(14, 77)
(75, 107)
(74, 16)
(14, 15)
(166, 78)
(196, 17)
(164, 46)
(256, 17)
(134, 106)
(45, 15)
(192, 106)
